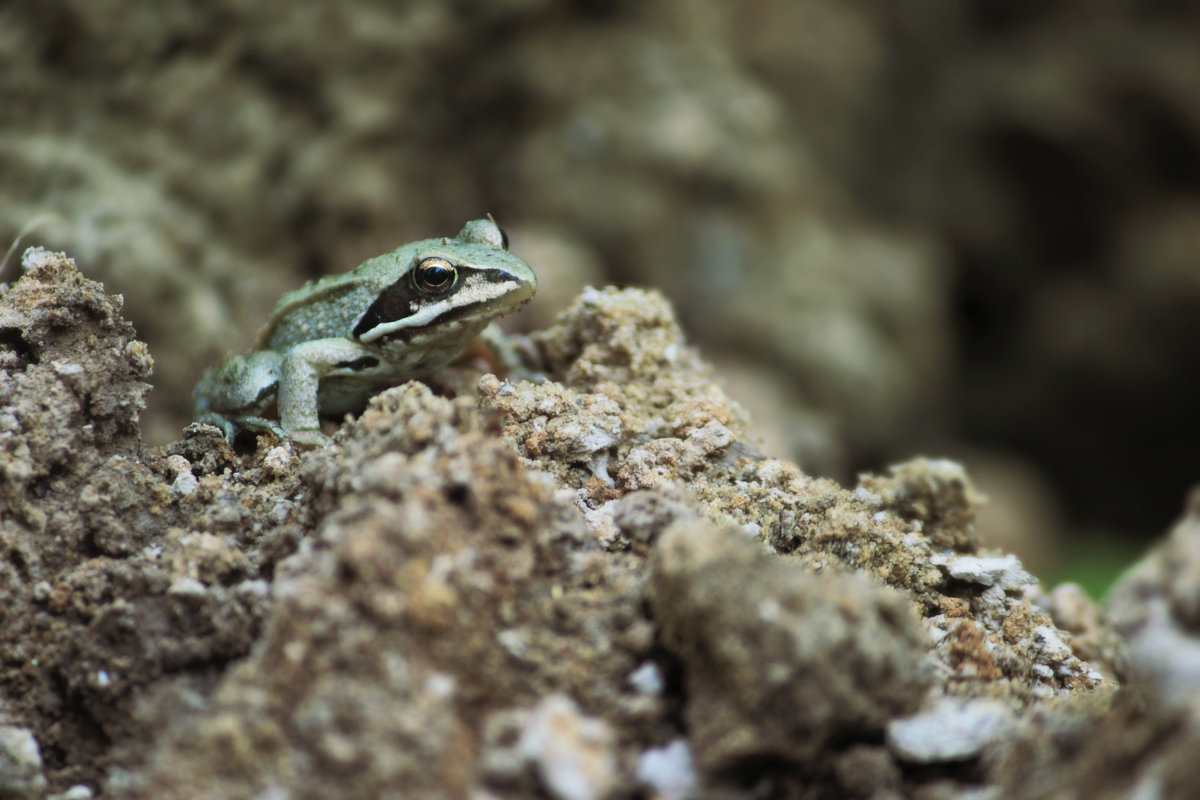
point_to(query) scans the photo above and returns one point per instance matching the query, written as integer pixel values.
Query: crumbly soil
(583, 584)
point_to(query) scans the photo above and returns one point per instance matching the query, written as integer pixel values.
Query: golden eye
(434, 274)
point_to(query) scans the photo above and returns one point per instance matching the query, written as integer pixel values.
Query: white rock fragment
(277, 460)
(281, 510)
(186, 587)
(254, 588)
(514, 642)
(441, 686)
(985, 571)
(599, 520)
(594, 438)
(1053, 649)
(953, 730)
(647, 679)
(573, 755)
(598, 465)
(1003, 579)
(35, 257)
(1165, 656)
(20, 764)
(866, 496)
(669, 770)
(185, 482)
(711, 437)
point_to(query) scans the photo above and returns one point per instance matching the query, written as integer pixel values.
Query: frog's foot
(309, 438)
(225, 424)
(260, 425)
(231, 426)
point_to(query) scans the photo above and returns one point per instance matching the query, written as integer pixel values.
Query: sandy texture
(586, 586)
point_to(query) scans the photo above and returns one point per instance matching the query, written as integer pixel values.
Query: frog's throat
(491, 299)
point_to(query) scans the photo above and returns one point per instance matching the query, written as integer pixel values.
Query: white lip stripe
(427, 314)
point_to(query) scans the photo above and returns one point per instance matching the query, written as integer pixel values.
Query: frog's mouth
(480, 295)
(453, 320)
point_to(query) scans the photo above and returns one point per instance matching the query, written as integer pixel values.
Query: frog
(330, 345)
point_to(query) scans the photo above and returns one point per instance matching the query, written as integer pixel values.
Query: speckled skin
(330, 345)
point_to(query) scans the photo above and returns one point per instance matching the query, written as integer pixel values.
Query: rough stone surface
(21, 776)
(1145, 744)
(953, 730)
(668, 770)
(1157, 608)
(97, 545)
(779, 662)
(574, 756)
(399, 613)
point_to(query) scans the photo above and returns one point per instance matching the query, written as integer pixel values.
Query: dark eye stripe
(403, 298)
(395, 302)
(366, 362)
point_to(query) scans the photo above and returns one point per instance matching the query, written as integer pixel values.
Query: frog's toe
(258, 425)
(309, 438)
(222, 423)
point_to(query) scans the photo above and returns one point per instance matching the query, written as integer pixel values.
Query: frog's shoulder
(322, 289)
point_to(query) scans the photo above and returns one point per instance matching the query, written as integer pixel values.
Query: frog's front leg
(301, 371)
(234, 395)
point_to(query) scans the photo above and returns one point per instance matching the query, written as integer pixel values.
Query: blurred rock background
(964, 229)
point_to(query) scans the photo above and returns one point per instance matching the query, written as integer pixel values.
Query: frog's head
(468, 281)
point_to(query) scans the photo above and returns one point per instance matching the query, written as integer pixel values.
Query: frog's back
(328, 307)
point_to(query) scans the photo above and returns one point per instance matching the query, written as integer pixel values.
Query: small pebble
(574, 755)
(668, 770)
(954, 730)
(647, 679)
(21, 774)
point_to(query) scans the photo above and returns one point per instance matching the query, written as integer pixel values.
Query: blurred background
(963, 229)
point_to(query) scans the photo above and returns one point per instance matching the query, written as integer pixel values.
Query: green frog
(330, 345)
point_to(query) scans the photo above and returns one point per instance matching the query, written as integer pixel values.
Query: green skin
(330, 345)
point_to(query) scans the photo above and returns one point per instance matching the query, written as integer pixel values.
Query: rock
(398, 608)
(668, 771)
(77, 792)
(936, 491)
(778, 661)
(987, 571)
(953, 730)
(1157, 608)
(573, 754)
(21, 775)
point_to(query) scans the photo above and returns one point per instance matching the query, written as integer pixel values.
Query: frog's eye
(434, 274)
